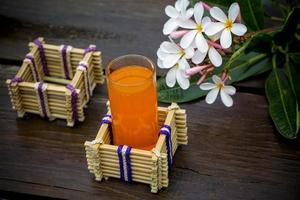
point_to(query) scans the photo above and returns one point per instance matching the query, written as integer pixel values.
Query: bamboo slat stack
(23, 94)
(149, 167)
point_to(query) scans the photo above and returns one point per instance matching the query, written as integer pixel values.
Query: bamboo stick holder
(149, 167)
(57, 98)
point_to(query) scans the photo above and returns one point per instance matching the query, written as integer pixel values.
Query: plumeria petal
(214, 57)
(198, 57)
(205, 21)
(216, 79)
(183, 64)
(213, 27)
(178, 5)
(169, 47)
(226, 38)
(212, 95)
(171, 11)
(229, 89)
(189, 13)
(207, 86)
(226, 99)
(189, 52)
(171, 60)
(171, 77)
(189, 24)
(159, 63)
(218, 14)
(183, 82)
(233, 11)
(184, 4)
(170, 26)
(187, 39)
(198, 12)
(161, 54)
(201, 43)
(238, 29)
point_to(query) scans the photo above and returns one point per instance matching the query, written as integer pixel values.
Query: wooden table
(233, 153)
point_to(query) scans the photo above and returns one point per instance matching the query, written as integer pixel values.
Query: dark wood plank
(233, 153)
(116, 27)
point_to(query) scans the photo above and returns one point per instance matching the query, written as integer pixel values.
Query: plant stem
(278, 19)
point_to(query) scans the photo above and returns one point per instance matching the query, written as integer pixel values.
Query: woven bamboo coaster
(128, 164)
(56, 81)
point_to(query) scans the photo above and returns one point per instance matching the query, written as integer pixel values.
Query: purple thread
(16, 79)
(87, 76)
(65, 62)
(90, 49)
(42, 100)
(105, 121)
(128, 163)
(34, 67)
(168, 142)
(42, 56)
(74, 98)
(119, 151)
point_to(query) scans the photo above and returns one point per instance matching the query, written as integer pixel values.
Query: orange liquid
(133, 102)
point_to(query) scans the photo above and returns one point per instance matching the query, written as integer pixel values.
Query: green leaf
(285, 35)
(251, 10)
(261, 43)
(252, 13)
(242, 67)
(282, 103)
(295, 57)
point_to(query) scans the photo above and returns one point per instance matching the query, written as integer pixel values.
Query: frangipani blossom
(213, 55)
(177, 73)
(225, 25)
(170, 53)
(197, 29)
(218, 86)
(178, 15)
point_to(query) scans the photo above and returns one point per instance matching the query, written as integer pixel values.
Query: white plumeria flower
(178, 73)
(213, 55)
(197, 29)
(170, 53)
(226, 24)
(178, 15)
(218, 86)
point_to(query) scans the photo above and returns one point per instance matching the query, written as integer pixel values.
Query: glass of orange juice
(131, 82)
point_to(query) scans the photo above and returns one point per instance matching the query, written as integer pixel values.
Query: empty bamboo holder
(105, 160)
(56, 81)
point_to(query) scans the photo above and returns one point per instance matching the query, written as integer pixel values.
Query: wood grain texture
(232, 154)
(116, 27)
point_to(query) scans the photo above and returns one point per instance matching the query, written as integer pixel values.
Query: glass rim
(107, 73)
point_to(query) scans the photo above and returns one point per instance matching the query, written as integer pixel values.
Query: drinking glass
(131, 82)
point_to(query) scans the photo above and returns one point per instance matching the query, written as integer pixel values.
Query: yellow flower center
(199, 27)
(220, 86)
(182, 53)
(228, 24)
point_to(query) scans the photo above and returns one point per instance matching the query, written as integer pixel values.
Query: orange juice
(133, 102)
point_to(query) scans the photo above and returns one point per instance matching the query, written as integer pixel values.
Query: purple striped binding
(87, 76)
(42, 100)
(119, 151)
(42, 56)
(74, 98)
(65, 62)
(90, 49)
(128, 163)
(16, 79)
(166, 130)
(36, 75)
